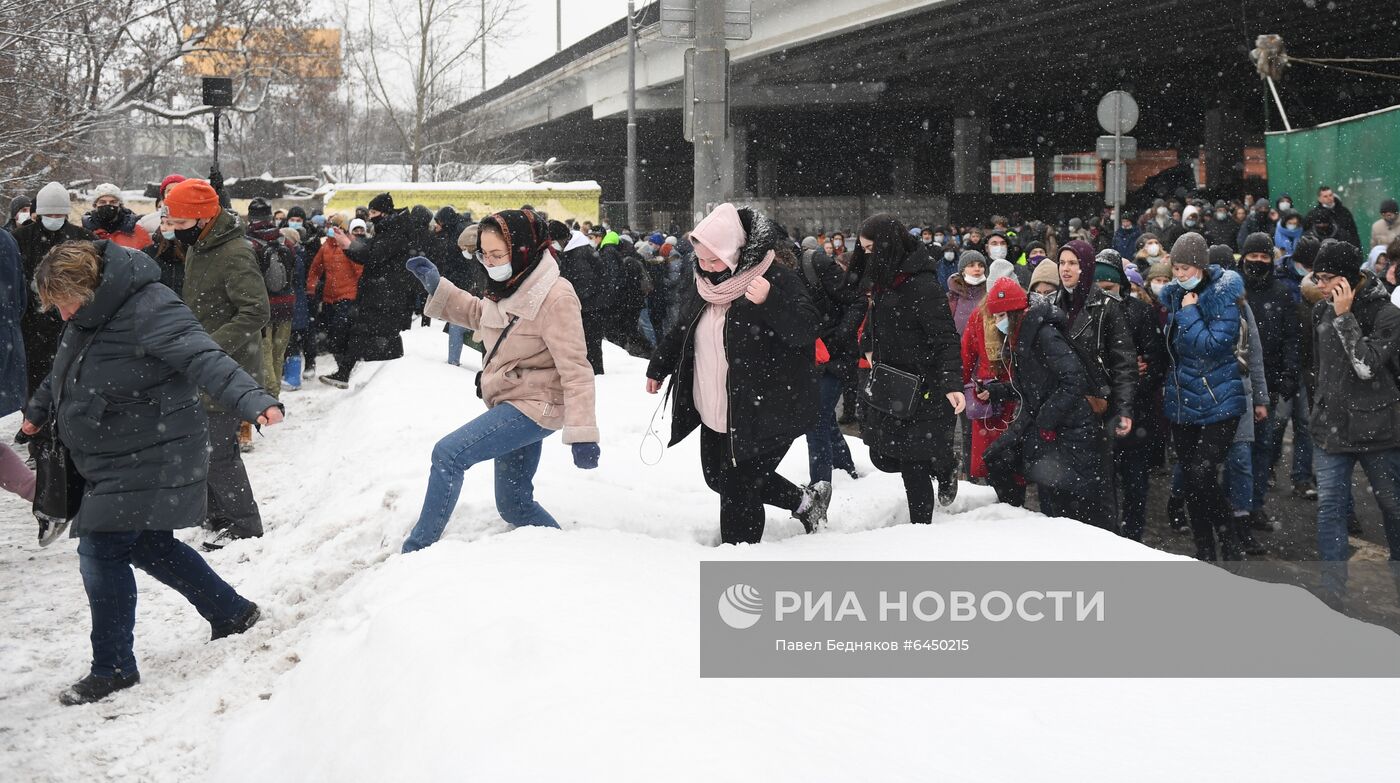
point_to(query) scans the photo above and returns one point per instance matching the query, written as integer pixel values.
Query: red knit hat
(168, 181)
(1006, 295)
(192, 199)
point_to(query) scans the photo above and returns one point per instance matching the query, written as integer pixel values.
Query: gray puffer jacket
(127, 404)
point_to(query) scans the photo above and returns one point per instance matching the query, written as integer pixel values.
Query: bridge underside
(872, 111)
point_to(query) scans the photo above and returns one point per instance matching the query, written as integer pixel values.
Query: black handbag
(487, 361)
(890, 390)
(58, 487)
(893, 391)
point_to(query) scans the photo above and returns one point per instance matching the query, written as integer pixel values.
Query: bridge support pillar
(971, 156)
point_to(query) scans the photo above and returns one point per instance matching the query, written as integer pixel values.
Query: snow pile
(573, 654)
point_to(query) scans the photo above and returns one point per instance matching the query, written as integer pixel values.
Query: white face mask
(21, 218)
(1157, 288)
(997, 252)
(1222, 215)
(1285, 205)
(498, 273)
(974, 279)
(938, 238)
(1004, 324)
(1190, 283)
(469, 255)
(52, 223)
(1153, 249)
(168, 235)
(948, 255)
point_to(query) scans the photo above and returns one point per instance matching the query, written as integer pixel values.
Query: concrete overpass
(911, 99)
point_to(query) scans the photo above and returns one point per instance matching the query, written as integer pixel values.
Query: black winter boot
(93, 688)
(1229, 539)
(818, 498)
(242, 623)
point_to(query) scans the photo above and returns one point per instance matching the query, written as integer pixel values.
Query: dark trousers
(744, 489)
(231, 503)
(918, 476)
(594, 325)
(1200, 450)
(105, 561)
(1092, 508)
(1134, 468)
(304, 343)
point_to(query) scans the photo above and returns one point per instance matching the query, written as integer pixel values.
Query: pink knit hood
(722, 233)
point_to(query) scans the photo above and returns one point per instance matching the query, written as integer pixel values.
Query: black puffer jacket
(1357, 408)
(1223, 232)
(128, 405)
(770, 347)
(1061, 441)
(387, 292)
(1279, 331)
(910, 327)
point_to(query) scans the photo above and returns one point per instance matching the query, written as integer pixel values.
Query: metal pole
(1281, 112)
(558, 25)
(1117, 164)
(630, 181)
(711, 87)
(483, 45)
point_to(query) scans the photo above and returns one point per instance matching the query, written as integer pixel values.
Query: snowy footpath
(574, 655)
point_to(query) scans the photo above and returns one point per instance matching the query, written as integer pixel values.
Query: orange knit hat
(193, 198)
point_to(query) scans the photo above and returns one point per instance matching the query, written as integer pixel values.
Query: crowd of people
(1062, 358)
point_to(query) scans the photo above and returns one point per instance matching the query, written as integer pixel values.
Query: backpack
(276, 262)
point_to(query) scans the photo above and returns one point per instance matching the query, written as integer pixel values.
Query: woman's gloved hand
(425, 271)
(586, 455)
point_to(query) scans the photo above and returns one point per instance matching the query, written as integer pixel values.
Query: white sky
(534, 37)
(533, 32)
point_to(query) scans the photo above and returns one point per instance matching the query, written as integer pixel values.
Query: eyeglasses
(1325, 278)
(495, 258)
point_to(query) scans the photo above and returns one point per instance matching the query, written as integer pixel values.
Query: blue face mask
(1004, 324)
(1291, 233)
(1190, 283)
(1300, 269)
(169, 235)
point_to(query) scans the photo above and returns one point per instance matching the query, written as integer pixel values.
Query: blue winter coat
(1205, 385)
(12, 303)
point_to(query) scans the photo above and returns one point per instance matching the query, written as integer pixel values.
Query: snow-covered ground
(574, 654)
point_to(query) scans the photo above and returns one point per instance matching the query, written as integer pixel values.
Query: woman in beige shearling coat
(535, 376)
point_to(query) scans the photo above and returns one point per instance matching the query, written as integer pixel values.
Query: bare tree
(70, 69)
(413, 59)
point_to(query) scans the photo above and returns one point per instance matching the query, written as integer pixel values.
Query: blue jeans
(1239, 476)
(1295, 410)
(1334, 489)
(826, 445)
(503, 434)
(105, 561)
(456, 338)
(646, 327)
